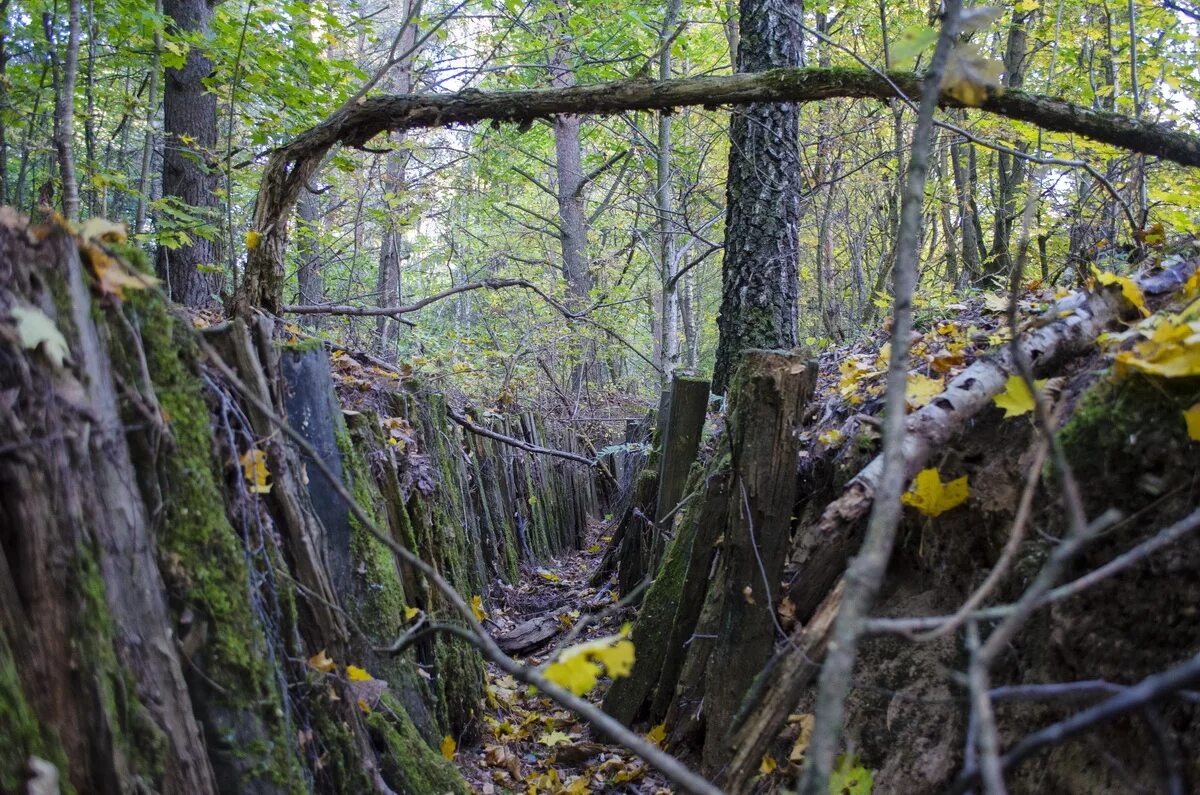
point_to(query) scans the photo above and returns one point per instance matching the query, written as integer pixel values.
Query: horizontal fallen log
(355, 123)
(529, 636)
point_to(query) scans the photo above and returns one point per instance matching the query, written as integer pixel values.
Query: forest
(559, 397)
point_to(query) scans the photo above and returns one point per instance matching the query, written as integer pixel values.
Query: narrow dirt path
(531, 745)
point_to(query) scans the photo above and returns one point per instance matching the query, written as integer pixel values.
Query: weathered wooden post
(768, 396)
(680, 441)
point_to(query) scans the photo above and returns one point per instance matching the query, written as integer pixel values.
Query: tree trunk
(189, 140)
(1010, 171)
(664, 201)
(310, 279)
(760, 278)
(64, 114)
(143, 198)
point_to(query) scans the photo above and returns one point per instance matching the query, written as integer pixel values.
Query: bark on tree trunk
(189, 141)
(1010, 170)
(64, 114)
(760, 278)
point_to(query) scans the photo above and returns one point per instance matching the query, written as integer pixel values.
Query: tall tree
(761, 280)
(1010, 170)
(189, 168)
(66, 65)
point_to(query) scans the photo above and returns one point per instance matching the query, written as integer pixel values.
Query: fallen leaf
(932, 497)
(448, 747)
(1129, 289)
(411, 612)
(356, 674)
(1192, 418)
(548, 575)
(802, 740)
(850, 778)
(477, 608)
(1016, 399)
(364, 706)
(321, 662)
(104, 231)
(768, 765)
(36, 330)
(253, 238)
(254, 470)
(657, 734)
(921, 389)
(578, 668)
(554, 738)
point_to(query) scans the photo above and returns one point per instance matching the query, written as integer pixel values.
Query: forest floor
(530, 744)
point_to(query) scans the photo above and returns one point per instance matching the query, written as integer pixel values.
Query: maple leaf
(932, 497)
(768, 765)
(321, 662)
(1172, 351)
(850, 778)
(1192, 418)
(995, 303)
(657, 734)
(1129, 289)
(254, 470)
(104, 231)
(113, 276)
(830, 437)
(411, 612)
(554, 738)
(356, 674)
(548, 575)
(477, 607)
(969, 74)
(1016, 399)
(578, 668)
(448, 747)
(921, 389)
(36, 330)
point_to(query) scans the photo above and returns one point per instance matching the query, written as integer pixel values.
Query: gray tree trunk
(760, 273)
(189, 140)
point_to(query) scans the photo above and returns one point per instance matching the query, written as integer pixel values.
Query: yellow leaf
(548, 575)
(103, 230)
(922, 389)
(112, 274)
(477, 608)
(411, 612)
(253, 238)
(1129, 289)
(830, 437)
(448, 747)
(356, 674)
(1016, 399)
(995, 303)
(578, 668)
(578, 786)
(657, 734)
(35, 329)
(768, 765)
(254, 470)
(364, 706)
(321, 662)
(1173, 351)
(932, 497)
(554, 738)
(1192, 418)
(969, 74)
(802, 740)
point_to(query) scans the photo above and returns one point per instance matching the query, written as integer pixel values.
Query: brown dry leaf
(321, 662)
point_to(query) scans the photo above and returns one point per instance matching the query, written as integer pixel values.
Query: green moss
(23, 735)
(408, 764)
(381, 599)
(304, 344)
(204, 562)
(1126, 435)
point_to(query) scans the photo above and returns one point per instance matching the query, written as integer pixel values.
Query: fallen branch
(292, 166)
(521, 443)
